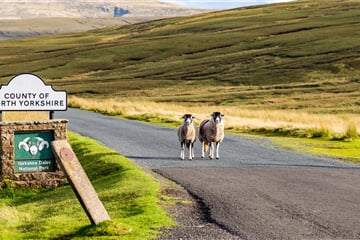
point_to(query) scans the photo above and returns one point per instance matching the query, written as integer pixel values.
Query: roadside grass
(131, 196)
(344, 150)
(277, 122)
(25, 115)
(330, 134)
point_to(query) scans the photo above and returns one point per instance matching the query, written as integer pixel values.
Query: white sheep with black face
(33, 148)
(187, 136)
(212, 133)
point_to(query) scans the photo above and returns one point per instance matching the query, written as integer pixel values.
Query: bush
(351, 132)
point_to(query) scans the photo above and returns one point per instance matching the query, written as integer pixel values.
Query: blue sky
(224, 4)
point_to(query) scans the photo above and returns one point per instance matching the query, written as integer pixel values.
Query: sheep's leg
(217, 150)
(191, 151)
(202, 149)
(211, 152)
(182, 151)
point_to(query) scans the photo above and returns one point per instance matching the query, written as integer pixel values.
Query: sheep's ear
(193, 117)
(222, 115)
(183, 117)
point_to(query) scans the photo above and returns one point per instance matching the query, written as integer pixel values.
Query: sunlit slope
(311, 46)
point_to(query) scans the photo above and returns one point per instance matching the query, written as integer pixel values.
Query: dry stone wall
(46, 179)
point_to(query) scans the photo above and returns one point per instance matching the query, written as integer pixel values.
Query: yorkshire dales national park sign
(33, 152)
(36, 153)
(27, 92)
(26, 154)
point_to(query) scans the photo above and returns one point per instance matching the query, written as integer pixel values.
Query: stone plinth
(43, 178)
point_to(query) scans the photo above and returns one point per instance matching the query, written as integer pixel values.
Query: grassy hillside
(298, 55)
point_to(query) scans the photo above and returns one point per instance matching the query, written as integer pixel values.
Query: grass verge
(336, 135)
(345, 150)
(130, 195)
(261, 121)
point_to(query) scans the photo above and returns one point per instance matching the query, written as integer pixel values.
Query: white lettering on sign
(27, 92)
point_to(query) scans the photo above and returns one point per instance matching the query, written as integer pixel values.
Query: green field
(298, 55)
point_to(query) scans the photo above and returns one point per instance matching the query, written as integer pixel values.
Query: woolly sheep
(212, 133)
(187, 136)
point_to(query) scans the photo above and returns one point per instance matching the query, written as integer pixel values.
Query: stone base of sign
(50, 179)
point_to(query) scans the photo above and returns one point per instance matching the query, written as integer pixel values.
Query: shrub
(351, 132)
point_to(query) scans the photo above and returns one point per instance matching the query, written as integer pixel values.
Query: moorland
(282, 66)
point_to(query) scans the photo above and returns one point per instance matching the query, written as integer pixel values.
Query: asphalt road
(255, 191)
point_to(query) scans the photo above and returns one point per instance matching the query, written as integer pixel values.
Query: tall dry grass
(238, 118)
(24, 116)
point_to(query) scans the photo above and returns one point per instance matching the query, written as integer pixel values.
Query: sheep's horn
(42, 143)
(24, 144)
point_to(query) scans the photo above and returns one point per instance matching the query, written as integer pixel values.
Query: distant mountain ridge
(29, 18)
(24, 9)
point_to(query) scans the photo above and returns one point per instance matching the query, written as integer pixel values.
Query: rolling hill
(297, 55)
(20, 9)
(19, 18)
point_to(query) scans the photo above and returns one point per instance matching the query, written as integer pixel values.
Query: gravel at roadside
(192, 219)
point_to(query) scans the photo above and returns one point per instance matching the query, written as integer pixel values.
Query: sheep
(187, 136)
(212, 132)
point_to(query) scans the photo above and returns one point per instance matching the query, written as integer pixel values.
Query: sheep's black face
(217, 117)
(188, 118)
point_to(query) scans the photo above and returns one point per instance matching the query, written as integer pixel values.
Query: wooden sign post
(80, 182)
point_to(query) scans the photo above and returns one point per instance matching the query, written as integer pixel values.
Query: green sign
(33, 152)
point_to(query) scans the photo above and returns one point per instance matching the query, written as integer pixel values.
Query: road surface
(255, 190)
